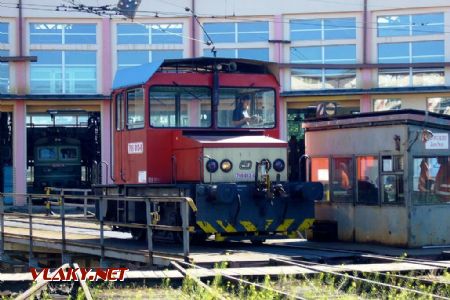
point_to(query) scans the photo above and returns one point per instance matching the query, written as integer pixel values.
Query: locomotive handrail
(186, 203)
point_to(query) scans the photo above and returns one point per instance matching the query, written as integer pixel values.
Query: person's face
(246, 103)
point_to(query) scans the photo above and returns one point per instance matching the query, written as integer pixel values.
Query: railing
(101, 203)
(72, 192)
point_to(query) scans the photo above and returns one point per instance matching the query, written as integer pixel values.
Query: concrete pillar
(19, 151)
(106, 141)
(106, 57)
(105, 110)
(367, 75)
(278, 56)
(365, 103)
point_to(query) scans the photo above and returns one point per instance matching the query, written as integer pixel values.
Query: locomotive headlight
(266, 162)
(226, 165)
(279, 165)
(212, 165)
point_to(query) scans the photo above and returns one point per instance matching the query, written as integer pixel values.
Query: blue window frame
(145, 34)
(237, 32)
(70, 72)
(248, 53)
(411, 25)
(4, 33)
(323, 29)
(323, 78)
(4, 74)
(131, 58)
(411, 52)
(51, 33)
(221, 32)
(338, 54)
(311, 79)
(252, 32)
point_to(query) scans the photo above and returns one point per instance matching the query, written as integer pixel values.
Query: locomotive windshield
(246, 108)
(47, 153)
(180, 106)
(68, 153)
(191, 107)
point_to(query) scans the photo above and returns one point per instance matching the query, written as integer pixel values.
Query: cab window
(120, 113)
(180, 106)
(246, 108)
(135, 108)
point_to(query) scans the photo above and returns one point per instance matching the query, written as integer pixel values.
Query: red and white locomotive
(206, 128)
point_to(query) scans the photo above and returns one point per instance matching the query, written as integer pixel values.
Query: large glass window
(45, 120)
(180, 106)
(246, 108)
(411, 25)
(411, 52)
(135, 108)
(4, 67)
(4, 33)
(248, 53)
(71, 72)
(320, 173)
(50, 33)
(342, 185)
(431, 181)
(439, 105)
(240, 36)
(367, 178)
(387, 104)
(323, 29)
(323, 78)
(131, 58)
(237, 32)
(150, 33)
(4, 74)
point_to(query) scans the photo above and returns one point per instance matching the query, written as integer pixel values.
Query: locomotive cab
(57, 163)
(206, 128)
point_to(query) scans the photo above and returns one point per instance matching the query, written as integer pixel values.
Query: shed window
(342, 182)
(439, 105)
(392, 179)
(431, 180)
(320, 173)
(367, 176)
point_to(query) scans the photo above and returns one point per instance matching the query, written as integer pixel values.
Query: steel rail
(384, 273)
(184, 272)
(363, 254)
(430, 281)
(240, 280)
(434, 296)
